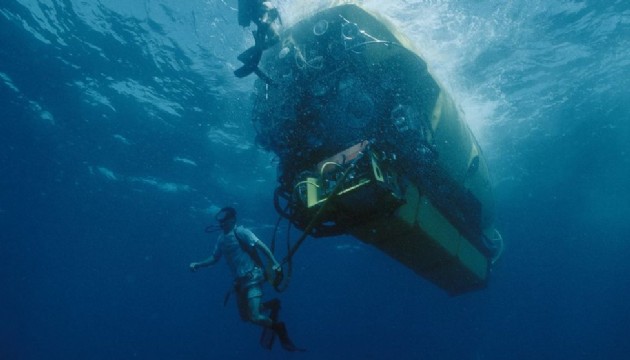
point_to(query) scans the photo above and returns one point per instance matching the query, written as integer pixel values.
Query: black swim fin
(281, 330)
(268, 336)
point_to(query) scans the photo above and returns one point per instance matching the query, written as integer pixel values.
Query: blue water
(122, 129)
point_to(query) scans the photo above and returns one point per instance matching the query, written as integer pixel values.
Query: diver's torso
(239, 262)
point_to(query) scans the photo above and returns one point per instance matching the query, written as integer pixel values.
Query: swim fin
(268, 336)
(281, 330)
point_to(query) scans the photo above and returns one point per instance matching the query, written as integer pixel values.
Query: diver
(267, 19)
(239, 245)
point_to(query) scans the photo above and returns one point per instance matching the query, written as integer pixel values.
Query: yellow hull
(344, 76)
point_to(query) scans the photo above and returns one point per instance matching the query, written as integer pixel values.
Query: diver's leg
(254, 302)
(271, 305)
(242, 304)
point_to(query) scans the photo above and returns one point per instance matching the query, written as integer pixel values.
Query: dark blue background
(95, 267)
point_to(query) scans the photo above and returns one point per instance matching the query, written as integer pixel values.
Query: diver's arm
(204, 263)
(261, 245)
(253, 240)
(211, 260)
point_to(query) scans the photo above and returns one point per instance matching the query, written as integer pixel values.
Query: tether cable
(314, 222)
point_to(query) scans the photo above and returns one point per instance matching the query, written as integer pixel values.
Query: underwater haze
(123, 129)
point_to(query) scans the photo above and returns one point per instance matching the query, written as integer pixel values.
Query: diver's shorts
(249, 286)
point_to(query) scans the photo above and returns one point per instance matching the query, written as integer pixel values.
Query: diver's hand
(193, 266)
(278, 275)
